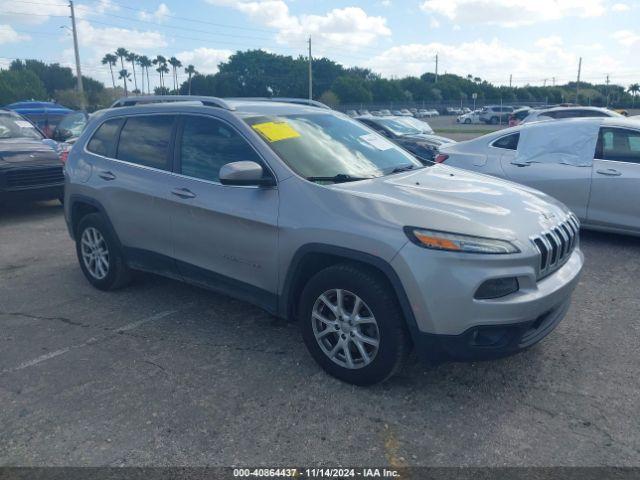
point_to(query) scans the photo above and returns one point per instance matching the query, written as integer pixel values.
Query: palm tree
(124, 76)
(145, 63)
(132, 57)
(175, 64)
(633, 89)
(191, 71)
(110, 59)
(162, 69)
(121, 53)
(160, 61)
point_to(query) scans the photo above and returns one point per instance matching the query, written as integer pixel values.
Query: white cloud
(492, 60)
(620, 7)
(386, 3)
(9, 35)
(206, 60)
(434, 23)
(36, 13)
(626, 38)
(512, 13)
(109, 38)
(32, 13)
(160, 14)
(348, 28)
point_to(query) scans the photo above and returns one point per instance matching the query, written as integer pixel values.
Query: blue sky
(532, 40)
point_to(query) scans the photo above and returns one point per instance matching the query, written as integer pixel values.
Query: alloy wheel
(345, 328)
(95, 253)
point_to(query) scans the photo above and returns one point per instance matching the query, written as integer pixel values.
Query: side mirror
(244, 174)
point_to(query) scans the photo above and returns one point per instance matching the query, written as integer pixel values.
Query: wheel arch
(311, 258)
(81, 206)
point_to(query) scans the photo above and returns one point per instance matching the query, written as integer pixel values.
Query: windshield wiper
(339, 178)
(402, 168)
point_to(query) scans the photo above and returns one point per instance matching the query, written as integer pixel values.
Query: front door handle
(610, 172)
(521, 164)
(107, 175)
(183, 193)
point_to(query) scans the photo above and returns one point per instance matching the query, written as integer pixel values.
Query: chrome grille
(556, 245)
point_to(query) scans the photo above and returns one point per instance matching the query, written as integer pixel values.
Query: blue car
(45, 115)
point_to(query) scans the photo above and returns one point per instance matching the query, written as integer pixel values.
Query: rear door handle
(611, 172)
(183, 193)
(107, 175)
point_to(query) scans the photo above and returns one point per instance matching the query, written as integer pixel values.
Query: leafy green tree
(351, 89)
(329, 98)
(18, 85)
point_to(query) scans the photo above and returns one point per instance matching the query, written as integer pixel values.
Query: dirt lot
(163, 373)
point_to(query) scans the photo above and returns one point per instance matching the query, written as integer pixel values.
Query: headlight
(458, 243)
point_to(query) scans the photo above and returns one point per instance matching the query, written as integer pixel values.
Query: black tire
(118, 273)
(494, 120)
(467, 121)
(394, 343)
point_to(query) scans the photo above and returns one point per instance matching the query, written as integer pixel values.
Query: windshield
(14, 126)
(398, 126)
(326, 145)
(72, 124)
(423, 127)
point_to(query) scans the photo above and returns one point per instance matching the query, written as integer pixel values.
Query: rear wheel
(352, 325)
(494, 120)
(99, 254)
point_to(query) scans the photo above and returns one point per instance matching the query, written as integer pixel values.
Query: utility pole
(436, 68)
(544, 84)
(510, 79)
(310, 74)
(607, 90)
(77, 52)
(578, 81)
(553, 79)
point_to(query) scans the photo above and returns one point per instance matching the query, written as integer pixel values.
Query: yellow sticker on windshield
(275, 132)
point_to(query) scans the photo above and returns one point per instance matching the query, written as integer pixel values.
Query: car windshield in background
(417, 124)
(13, 126)
(331, 148)
(398, 126)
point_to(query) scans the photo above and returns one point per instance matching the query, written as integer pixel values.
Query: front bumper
(40, 182)
(450, 322)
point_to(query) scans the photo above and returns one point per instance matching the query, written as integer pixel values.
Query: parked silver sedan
(590, 164)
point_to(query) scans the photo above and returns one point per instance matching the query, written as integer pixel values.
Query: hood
(459, 201)
(24, 151)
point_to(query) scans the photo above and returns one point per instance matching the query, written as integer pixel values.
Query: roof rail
(148, 99)
(298, 101)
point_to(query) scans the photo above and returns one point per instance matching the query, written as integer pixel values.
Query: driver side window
(207, 144)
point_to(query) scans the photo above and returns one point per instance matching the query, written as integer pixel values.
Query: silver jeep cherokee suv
(313, 216)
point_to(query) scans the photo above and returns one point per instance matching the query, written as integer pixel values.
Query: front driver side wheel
(352, 324)
(99, 254)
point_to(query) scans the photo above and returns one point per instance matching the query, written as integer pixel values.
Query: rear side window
(207, 144)
(509, 142)
(619, 144)
(145, 141)
(104, 139)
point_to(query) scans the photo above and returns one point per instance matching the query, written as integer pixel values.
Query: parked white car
(469, 118)
(590, 164)
(558, 113)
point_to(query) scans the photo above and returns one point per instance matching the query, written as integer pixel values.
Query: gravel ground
(163, 373)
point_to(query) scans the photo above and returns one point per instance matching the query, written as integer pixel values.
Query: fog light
(489, 337)
(497, 287)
